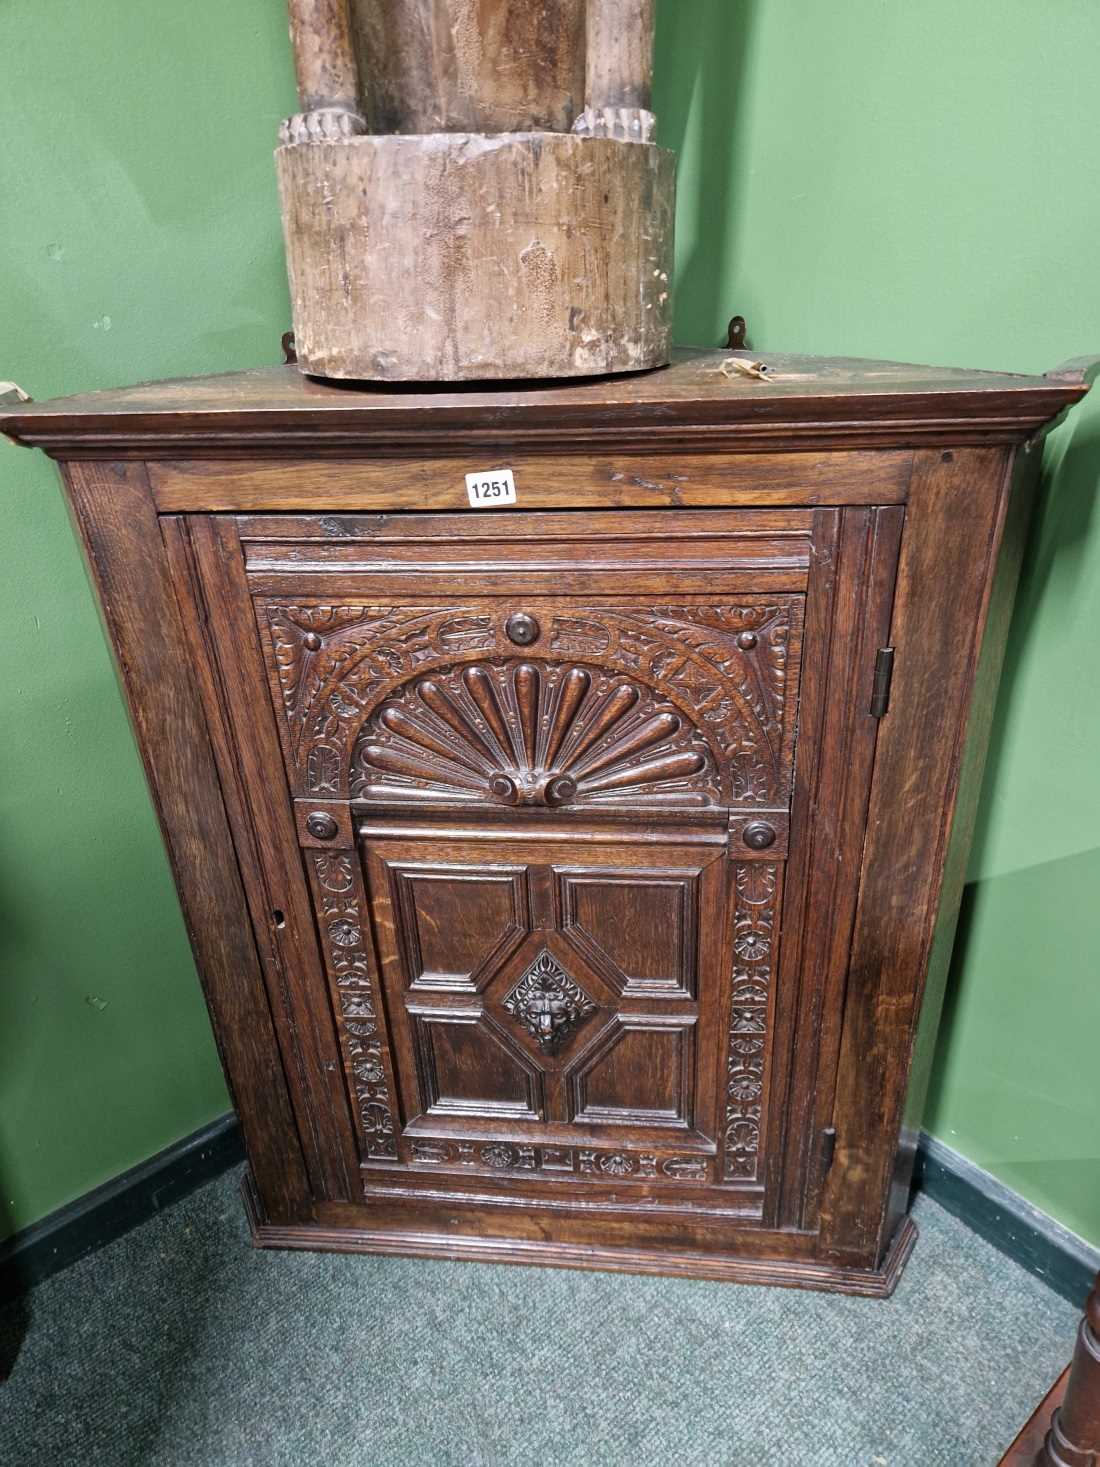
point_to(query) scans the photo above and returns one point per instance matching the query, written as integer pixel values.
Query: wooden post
(1074, 1436)
(477, 66)
(461, 221)
(619, 71)
(326, 71)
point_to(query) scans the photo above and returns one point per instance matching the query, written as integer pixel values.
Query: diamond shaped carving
(548, 1003)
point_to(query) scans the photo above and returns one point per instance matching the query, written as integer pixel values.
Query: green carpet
(179, 1345)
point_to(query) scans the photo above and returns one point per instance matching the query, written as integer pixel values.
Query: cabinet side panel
(1018, 517)
(115, 519)
(952, 534)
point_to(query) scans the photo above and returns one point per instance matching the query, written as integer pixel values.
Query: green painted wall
(872, 179)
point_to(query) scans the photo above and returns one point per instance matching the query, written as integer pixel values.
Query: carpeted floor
(180, 1346)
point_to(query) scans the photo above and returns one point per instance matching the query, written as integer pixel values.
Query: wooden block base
(461, 257)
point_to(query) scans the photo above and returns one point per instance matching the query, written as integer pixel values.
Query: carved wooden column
(471, 190)
(326, 72)
(619, 71)
(1074, 1436)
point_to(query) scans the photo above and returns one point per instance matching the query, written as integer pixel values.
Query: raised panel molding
(288, 675)
(481, 1029)
(488, 951)
(676, 922)
(676, 1034)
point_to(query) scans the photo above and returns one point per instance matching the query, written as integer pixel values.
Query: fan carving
(526, 733)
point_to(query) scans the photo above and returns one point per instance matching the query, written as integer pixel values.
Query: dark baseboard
(1065, 1262)
(1029, 1237)
(101, 1216)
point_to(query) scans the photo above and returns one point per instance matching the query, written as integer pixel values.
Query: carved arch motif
(728, 673)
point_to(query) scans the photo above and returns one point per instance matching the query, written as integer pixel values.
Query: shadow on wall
(1058, 542)
(701, 51)
(1016, 923)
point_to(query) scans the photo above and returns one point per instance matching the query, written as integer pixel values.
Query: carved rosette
(344, 938)
(756, 904)
(684, 705)
(598, 1166)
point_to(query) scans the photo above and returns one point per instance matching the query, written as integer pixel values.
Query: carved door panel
(540, 993)
(544, 781)
(536, 809)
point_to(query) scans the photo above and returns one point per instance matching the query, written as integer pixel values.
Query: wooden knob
(320, 825)
(758, 835)
(522, 629)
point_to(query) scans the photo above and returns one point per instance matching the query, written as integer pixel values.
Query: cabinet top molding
(703, 400)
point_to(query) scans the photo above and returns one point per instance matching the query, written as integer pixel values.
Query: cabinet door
(548, 774)
(538, 993)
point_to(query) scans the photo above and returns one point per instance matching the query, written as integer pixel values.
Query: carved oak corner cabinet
(564, 878)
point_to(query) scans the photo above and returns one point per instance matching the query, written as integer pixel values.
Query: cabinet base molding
(470, 1248)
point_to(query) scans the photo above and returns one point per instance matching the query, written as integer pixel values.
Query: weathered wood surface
(471, 235)
(326, 71)
(619, 71)
(456, 257)
(693, 407)
(478, 66)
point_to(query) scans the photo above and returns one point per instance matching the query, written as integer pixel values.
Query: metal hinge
(880, 689)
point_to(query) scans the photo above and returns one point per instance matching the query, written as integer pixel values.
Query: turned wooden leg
(327, 73)
(1074, 1436)
(619, 71)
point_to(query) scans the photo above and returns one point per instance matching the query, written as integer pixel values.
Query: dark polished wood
(1072, 1410)
(1024, 1451)
(566, 879)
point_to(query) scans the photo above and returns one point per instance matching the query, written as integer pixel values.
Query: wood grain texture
(1024, 1451)
(1074, 1436)
(114, 517)
(691, 406)
(619, 63)
(953, 528)
(324, 56)
(476, 66)
(593, 905)
(1018, 511)
(740, 1263)
(463, 257)
(207, 560)
(849, 604)
(619, 71)
(561, 481)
